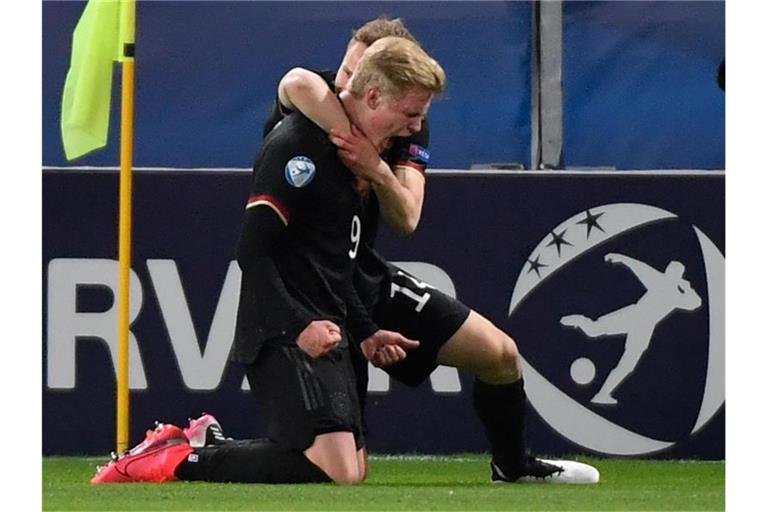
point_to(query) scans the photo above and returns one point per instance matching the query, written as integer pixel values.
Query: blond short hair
(396, 65)
(379, 28)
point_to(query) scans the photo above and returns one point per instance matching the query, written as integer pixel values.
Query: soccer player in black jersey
(449, 332)
(298, 306)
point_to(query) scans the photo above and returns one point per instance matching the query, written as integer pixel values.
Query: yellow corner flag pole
(105, 34)
(127, 37)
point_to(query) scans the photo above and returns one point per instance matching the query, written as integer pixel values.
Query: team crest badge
(299, 171)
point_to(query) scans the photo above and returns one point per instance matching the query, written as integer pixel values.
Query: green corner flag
(96, 44)
(105, 34)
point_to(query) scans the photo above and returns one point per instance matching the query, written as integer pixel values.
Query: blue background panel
(207, 72)
(640, 88)
(638, 78)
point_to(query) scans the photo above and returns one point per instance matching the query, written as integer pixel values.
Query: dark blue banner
(611, 284)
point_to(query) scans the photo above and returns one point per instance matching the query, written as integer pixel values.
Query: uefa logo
(299, 171)
(619, 313)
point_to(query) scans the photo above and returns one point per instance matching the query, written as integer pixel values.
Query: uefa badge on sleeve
(299, 171)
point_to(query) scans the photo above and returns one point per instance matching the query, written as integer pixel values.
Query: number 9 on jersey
(354, 236)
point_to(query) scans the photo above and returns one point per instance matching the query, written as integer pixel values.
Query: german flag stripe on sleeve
(263, 199)
(412, 165)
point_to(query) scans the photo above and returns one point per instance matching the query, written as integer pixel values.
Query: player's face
(348, 64)
(401, 116)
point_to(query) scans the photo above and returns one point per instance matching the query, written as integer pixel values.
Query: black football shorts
(305, 397)
(420, 312)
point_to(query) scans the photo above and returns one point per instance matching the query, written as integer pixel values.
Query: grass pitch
(405, 483)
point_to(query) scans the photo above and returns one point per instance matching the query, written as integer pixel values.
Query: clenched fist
(319, 338)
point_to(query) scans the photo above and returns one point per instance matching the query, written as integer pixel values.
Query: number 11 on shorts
(421, 300)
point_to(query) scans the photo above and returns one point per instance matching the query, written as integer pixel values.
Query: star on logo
(558, 240)
(535, 266)
(591, 222)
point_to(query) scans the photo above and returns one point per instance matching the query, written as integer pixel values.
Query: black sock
(502, 409)
(260, 461)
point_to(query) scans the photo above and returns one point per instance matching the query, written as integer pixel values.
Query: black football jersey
(372, 270)
(299, 177)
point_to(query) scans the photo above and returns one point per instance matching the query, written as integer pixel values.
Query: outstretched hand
(385, 348)
(319, 338)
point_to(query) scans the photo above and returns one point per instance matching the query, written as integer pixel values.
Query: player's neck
(353, 108)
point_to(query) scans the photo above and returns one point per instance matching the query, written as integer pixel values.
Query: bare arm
(307, 92)
(400, 190)
(401, 196)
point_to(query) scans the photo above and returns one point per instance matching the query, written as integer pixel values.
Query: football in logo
(619, 314)
(299, 171)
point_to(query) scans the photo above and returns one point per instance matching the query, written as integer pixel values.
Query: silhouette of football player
(665, 293)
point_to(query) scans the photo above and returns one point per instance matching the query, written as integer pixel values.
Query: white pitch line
(436, 458)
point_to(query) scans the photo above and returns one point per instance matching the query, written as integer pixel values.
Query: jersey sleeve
(411, 151)
(359, 321)
(276, 114)
(262, 289)
(282, 180)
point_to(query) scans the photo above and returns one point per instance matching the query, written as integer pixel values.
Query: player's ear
(373, 97)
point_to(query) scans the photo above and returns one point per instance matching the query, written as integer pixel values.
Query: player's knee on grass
(344, 472)
(350, 478)
(362, 463)
(335, 453)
